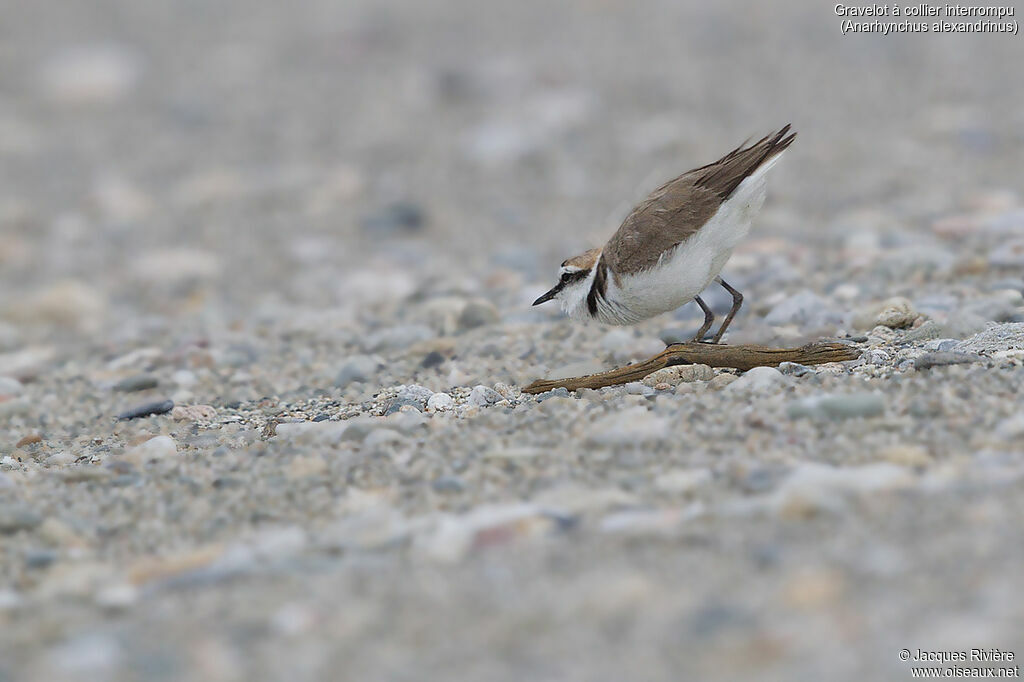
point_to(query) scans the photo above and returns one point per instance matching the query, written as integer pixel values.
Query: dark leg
(709, 318)
(737, 301)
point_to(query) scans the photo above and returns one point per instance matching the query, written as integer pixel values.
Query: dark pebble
(943, 358)
(147, 409)
(399, 403)
(448, 484)
(401, 216)
(321, 417)
(560, 392)
(40, 558)
(432, 359)
(140, 382)
(14, 518)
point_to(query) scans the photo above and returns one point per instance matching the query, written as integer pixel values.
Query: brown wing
(680, 207)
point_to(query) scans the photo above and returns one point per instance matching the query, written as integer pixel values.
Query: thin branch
(737, 357)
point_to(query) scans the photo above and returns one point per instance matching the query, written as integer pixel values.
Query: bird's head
(574, 278)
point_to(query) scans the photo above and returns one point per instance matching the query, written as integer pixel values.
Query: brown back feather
(680, 207)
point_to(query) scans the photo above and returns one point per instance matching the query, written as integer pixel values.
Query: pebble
(478, 313)
(759, 379)
(415, 393)
(440, 402)
(1009, 254)
(483, 395)
(140, 382)
(896, 313)
(998, 337)
(400, 217)
(721, 381)
(560, 392)
(448, 484)
(147, 409)
(10, 386)
(194, 413)
(357, 369)
(1011, 428)
(812, 487)
(637, 388)
(691, 373)
(906, 455)
(876, 356)
(432, 359)
(90, 75)
(683, 480)
(794, 369)
(838, 406)
(944, 358)
(15, 517)
(158, 447)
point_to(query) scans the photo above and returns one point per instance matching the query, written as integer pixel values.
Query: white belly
(688, 269)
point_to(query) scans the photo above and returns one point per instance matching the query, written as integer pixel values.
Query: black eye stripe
(569, 277)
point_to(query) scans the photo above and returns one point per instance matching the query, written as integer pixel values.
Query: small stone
(998, 337)
(416, 394)
(794, 369)
(147, 409)
(1011, 428)
(194, 413)
(90, 75)
(448, 484)
(942, 345)
(560, 392)
(636, 388)
(897, 313)
(10, 387)
(668, 376)
(478, 313)
(683, 480)
(721, 381)
(758, 379)
(876, 356)
(396, 218)
(432, 359)
(140, 382)
(399, 404)
(30, 439)
(357, 369)
(483, 395)
(691, 373)
(944, 358)
(117, 597)
(158, 447)
(15, 517)
(358, 428)
(838, 406)
(440, 402)
(812, 487)
(906, 455)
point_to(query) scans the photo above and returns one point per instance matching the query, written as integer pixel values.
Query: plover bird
(673, 244)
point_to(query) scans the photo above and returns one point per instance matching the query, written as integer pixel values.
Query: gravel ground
(265, 279)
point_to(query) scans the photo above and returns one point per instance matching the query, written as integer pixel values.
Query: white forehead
(568, 268)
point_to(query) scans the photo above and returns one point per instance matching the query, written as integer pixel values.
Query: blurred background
(203, 161)
(282, 211)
